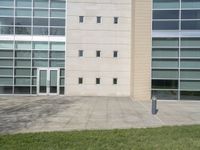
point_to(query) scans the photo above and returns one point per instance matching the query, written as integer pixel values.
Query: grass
(165, 138)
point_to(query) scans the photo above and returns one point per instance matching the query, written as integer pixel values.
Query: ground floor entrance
(48, 81)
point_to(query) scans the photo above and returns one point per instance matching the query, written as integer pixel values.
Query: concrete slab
(56, 113)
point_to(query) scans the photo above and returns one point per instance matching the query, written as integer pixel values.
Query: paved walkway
(35, 114)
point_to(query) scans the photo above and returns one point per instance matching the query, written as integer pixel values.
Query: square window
(98, 19)
(80, 53)
(80, 80)
(81, 19)
(115, 54)
(98, 53)
(115, 81)
(98, 81)
(116, 20)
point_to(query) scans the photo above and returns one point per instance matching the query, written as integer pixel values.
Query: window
(115, 81)
(116, 20)
(81, 19)
(98, 53)
(80, 80)
(98, 81)
(98, 19)
(80, 53)
(115, 54)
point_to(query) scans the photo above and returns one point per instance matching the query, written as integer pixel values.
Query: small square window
(80, 53)
(81, 19)
(115, 81)
(98, 53)
(98, 81)
(80, 80)
(116, 20)
(115, 54)
(98, 19)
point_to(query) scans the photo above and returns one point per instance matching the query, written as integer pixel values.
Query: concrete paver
(57, 113)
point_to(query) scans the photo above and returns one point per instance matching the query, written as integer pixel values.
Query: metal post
(154, 105)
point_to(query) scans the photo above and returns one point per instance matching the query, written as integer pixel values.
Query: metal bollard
(154, 105)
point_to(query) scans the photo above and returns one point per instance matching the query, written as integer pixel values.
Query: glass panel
(165, 63)
(165, 52)
(5, 90)
(6, 81)
(57, 54)
(43, 81)
(53, 81)
(40, 54)
(165, 95)
(8, 3)
(6, 71)
(6, 62)
(190, 52)
(190, 42)
(34, 81)
(166, 14)
(190, 85)
(57, 22)
(62, 81)
(165, 84)
(6, 30)
(190, 14)
(189, 95)
(34, 72)
(159, 4)
(57, 46)
(23, 45)
(23, 21)
(40, 13)
(22, 90)
(23, 63)
(167, 74)
(23, 3)
(62, 72)
(34, 90)
(58, 13)
(190, 74)
(23, 30)
(22, 72)
(190, 3)
(23, 54)
(6, 53)
(165, 42)
(62, 90)
(6, 45)
(41, 3)
(57, 4)
(57, 63)
(40, 46)
(40, 63)
(6, 12)
(57, 31)
(40, 22)
(23, 12)
(6, 21)
(22, 81)
(190, 25)
(40, 31)
(165, 25)
(190, 63)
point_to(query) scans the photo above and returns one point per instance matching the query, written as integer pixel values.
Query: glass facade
(176, 49)
(20, 60)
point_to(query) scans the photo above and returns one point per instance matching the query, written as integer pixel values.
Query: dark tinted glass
(23, 30)
(190, 14)
(40, 22)
(57, 31)
(23, 21)
(40, 31)
(57, 22)
(6, 30)
(165, 14)
(165, 95)
(6, 21)
(165, 25)
(190, 25)
(165, 84)
(189, 95)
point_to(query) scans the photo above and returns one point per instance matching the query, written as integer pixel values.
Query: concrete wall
(107, 37)
(141, 50)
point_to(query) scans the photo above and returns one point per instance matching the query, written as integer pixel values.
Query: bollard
(154, 105)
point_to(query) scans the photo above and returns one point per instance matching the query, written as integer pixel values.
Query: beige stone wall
(107, 37)
(141, 50)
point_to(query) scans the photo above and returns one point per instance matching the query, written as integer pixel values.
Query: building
(100, 48)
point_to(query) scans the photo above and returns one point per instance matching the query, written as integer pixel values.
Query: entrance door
(48, 81)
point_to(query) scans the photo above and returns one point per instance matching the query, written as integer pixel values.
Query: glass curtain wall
(176, 58)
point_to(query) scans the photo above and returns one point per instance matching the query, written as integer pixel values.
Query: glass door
(48, 81)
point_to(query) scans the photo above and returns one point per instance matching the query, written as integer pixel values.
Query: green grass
(165, 138)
